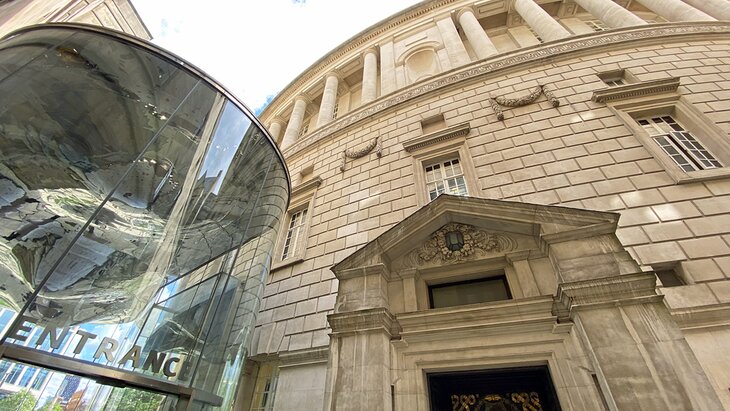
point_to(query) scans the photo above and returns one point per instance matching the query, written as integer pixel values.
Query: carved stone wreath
(498, 102)
(353, 154)
(475, 242)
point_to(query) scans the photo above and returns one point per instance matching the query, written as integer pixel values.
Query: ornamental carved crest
(456, 242)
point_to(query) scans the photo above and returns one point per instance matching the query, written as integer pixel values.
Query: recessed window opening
(669, 278)
(534, 33)
(614, 82)
(469, 292)
(597, 25)
(445, 177)
(679, 144)
(335, 110)
(294, 233)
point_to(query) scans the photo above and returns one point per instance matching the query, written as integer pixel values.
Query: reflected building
(140, 205)
(505, 205)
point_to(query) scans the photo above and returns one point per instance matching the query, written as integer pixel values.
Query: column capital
(333, 73)
(467, 9)
(304, 97)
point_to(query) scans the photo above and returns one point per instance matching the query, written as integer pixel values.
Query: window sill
(701, 175)
(286, 263)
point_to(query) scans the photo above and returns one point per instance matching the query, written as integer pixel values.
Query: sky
(255, 48)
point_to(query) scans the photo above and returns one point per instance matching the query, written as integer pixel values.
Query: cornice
(645, 88)
(609, 291)
(538, 54)
(436, 137)
(306, 186)
(369, 320)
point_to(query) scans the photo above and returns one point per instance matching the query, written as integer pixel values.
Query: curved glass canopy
(139, 203)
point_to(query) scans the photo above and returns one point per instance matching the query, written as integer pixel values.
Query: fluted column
(295, 122)
(540, 21)
(452, 42)
(610, 13)
(369, 76)
(478, 39)
(675, 10)
(275, 129)
(719, 9)
(329, 97)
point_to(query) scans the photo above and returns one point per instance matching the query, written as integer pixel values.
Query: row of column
(535, 16)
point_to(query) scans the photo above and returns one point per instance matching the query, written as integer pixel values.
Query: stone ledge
(645, 88)
(305, 186)
(708, 316)
(319, 355)
(636, 288)
(368, 320)
(448, 133)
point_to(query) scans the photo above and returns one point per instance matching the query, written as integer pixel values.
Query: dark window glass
(469, 292)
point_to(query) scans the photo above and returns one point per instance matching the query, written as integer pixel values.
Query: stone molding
(639, 288)
(645, 88)
(368, 320)
(448, 133)
(510, 61)
(500, 101)
(499, 317)
(703, 317)
(319, 355)
(306, 186)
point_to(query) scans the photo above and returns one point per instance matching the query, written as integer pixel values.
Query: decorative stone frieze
(530, 98)
(512, 61)
(476, 243)
(362, 152)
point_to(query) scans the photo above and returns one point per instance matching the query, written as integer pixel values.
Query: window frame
(302, 198)
(443, 178)
(438, 146)
(704, 130)
(501, 276)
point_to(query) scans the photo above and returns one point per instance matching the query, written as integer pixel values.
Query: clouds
(255, 48)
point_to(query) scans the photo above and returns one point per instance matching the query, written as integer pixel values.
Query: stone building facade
(583, 241)
(113, 14)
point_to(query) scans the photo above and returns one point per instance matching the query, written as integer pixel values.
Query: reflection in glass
(138, 211)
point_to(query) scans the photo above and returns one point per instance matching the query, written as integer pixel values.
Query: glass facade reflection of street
(139, 204)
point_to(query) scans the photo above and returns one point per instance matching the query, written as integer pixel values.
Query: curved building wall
(591, 118)
(140, 205)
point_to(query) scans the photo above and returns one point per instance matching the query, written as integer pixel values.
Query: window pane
(470, 292)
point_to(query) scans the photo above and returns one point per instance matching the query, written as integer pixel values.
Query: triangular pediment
(491, 227)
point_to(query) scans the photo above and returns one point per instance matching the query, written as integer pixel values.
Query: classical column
(452, 42)
(295, 122)
(478, 39)
(610, 13)
(329, 98)
(675, 10)
(275, 129)
(540, 21)
(388, 81)
(369, 75)
(719, 9)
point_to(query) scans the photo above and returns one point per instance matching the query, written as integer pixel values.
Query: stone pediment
(490, 228)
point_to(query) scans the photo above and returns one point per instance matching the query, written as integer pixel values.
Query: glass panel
(469, 292)
(143, 207)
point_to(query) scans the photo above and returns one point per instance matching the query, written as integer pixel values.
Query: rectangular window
(265, 389)
(445, 177)
(596, 25)
(40, 379)
(14, 374)
(294, 233)
(335, 110)
(469, 292)
(679, 144)
(614, 82)
(27, 376)
(534, 33)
